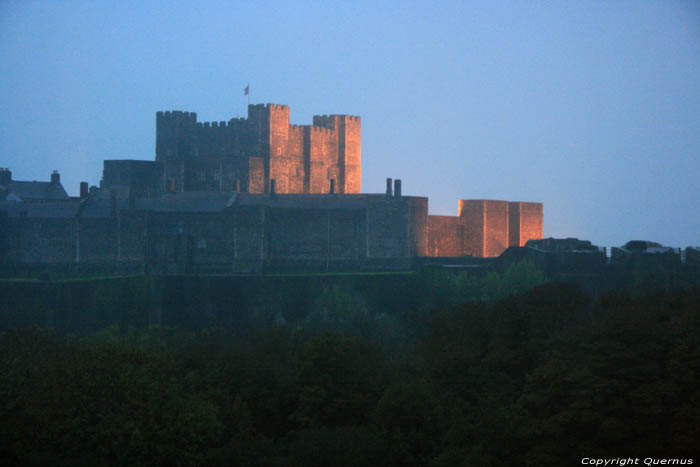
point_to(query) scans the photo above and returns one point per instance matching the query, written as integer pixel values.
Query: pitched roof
(37, 190)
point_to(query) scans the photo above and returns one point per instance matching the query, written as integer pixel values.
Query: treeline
(545, 377)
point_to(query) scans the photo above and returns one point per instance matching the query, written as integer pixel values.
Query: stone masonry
(484, 228)
(245, 154)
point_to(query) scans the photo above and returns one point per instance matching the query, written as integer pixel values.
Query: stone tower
(248, 153)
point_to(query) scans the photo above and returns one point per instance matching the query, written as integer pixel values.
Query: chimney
(397, 188)
(55, 177)
(388, 187)
(83, 190)
(272, 187)
(5, 176)
(332, 192)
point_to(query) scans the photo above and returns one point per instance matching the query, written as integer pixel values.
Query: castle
(248, 195)
(247, 155)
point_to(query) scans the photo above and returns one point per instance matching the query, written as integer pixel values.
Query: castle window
(202, 175)
(201, 244)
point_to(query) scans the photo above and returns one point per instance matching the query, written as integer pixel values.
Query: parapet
(321, 130)
(268, 106)
(176, 115)
(230, 123)
(331, 121)
(481, 204)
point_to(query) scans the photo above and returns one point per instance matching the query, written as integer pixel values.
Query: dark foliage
(542, 378)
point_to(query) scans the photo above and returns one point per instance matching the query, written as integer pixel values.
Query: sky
(590, 107)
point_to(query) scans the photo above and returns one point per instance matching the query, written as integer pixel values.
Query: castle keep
(248, 195)
(247, 153)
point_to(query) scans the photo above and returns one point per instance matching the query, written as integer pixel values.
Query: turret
(174, 143)
(348, 131)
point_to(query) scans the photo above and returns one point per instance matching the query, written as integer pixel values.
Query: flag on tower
(246, 91)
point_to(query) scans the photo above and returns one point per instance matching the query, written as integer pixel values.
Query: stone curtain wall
(526, 222)
(495, 227)
(484, 228)
(236, 239)
(445, 236)
(472, 211)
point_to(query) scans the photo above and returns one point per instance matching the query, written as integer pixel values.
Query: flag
(246, 91)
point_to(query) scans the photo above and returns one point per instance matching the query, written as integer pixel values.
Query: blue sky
(592, 108)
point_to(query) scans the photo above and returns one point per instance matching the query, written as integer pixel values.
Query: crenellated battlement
(321, 130)
(257, 149)
(312, 128)
(268, 106)
(332, 121)
(232, 123)
(338, 116)
(176, 115)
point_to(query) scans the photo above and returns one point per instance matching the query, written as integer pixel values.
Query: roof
(194, 202)
(37, 190)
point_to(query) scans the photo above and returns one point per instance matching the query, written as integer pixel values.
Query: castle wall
(286, 160)
(495, 227)
(316, 233)
(344, 161)
(219, 156)
(297, 166)
(472, 211)
(351, 150)
(249, 234)
(98, 239)
(33, 240)
(486, 226)
(175, 141)
(256, 175)
(133, 234)
(445, 236)
(347, 239)
(418, 225)
(525, 222)
(396, 227)
(322, 157)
